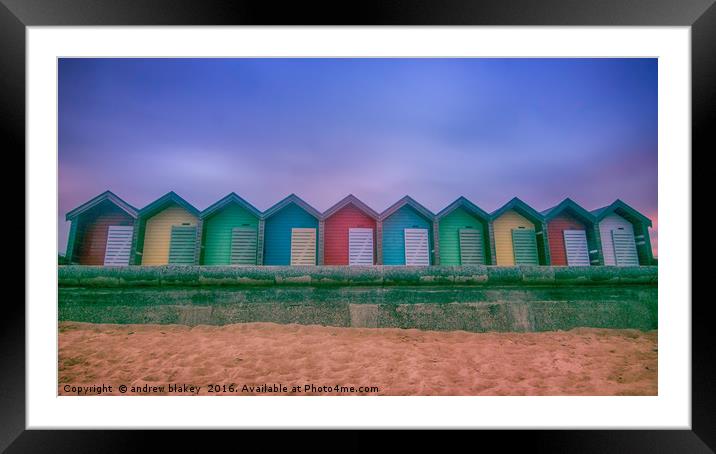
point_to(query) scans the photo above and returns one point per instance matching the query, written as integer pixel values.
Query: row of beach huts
(108, 231)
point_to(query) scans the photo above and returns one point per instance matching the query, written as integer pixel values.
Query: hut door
(119, 244)
(182, 248)
(624, 248)
(575, 244)
(360, 246)
(243, 246)
(417, 247)
(303, 246)
(524, 244)
(471, 252)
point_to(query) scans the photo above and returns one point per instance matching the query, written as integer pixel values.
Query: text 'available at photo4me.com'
(217, 389)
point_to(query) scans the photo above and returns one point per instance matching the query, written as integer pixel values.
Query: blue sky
(436, 129)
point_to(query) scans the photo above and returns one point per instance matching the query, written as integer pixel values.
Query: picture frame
(700, 15)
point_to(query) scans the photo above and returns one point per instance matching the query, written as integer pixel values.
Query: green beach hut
(231, 233)
(463, 233)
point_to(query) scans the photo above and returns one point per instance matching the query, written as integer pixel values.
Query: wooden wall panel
(158, 232)
(92, 227)
(555, 229)
(504, 253)
(336, 233)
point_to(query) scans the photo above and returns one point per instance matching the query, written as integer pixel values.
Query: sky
(434, 129)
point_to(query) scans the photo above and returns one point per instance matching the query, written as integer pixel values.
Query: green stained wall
(470, 298)
(449, 225)
(217, 233)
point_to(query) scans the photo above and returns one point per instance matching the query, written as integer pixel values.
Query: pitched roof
(167, 199)
(230, 198)
(462, 202)
(622, 209)
(108, 196)
(570, 205)
(293, 198)
(350, 199)
(407, 200)
(598, 212)
(519, 206)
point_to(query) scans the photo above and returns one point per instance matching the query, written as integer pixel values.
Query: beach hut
(624, 235)
(349, 233)
(518, 235)
(291, 233)
(571, 235)
(407, 237)
(168, 232)
(101, 231)
(230, 233)
(463, 233)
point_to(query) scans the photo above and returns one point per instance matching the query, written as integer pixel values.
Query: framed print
(458, 216)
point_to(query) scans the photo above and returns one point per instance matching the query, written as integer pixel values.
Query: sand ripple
(399, 362)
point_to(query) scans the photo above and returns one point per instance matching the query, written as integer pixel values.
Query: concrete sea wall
(471, 298)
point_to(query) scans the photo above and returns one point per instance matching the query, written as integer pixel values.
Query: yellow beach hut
(518, 235)
(169, 230)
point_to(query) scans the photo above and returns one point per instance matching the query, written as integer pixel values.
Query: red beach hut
(571, 234)
(102, 231)
(350, 233)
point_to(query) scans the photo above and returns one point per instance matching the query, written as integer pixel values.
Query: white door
(119, 245)
(606, 226)
(303, 246)
(524, 246)
(471, 247)
(625, 248)
(182, 245)
(575, 243)
(243, 246)
(417, 247)
(360, 246)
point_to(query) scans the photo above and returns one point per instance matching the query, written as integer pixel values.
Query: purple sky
(435, 129)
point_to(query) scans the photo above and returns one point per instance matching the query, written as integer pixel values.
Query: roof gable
(622, 209)
(105, 196)
(166, 200)
(462, 202)
(350, 199)
(570, 206)
(293, 198)
(231, 198)
(519, 206)
(407, 200)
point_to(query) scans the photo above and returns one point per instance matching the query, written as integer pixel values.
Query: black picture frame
(700, 15)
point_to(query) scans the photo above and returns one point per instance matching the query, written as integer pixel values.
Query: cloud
(436, 129)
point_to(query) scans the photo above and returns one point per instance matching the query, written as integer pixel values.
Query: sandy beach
(272, 359)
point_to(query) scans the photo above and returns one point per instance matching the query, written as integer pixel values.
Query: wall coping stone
(344, 276)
